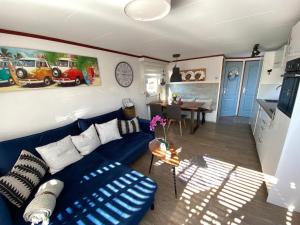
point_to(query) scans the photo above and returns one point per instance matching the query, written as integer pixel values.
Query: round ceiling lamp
(147, 10)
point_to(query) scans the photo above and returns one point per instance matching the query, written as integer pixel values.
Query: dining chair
(174, 114)
(156, 109)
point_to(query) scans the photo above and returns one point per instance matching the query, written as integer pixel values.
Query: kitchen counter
(269, 107)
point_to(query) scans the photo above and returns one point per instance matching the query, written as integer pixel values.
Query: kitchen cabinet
(269, 135)
(272, 67)
(294, 48)
(261, 132)
(280, 58)
(254, 116)
(263, 124)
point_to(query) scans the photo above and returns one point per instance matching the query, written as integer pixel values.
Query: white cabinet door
(257, 132)
(268, 64)
(295, 40)
(276, 138)
(254, 116)
(262, 134)
(273, 61)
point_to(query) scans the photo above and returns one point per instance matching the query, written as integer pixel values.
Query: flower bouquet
(158, 120)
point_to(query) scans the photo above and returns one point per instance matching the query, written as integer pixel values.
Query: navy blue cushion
(10, 150)
(86, 123)
(5, 216)
(127, 149)
(108, 194)
(145, 126)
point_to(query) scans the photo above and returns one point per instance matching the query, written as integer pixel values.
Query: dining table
(192, 107)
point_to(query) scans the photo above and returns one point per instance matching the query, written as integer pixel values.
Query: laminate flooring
(219, 180)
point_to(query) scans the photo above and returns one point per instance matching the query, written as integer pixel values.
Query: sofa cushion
(59, 154)
(87, 141)
(108, 131)
(86, 123)
(129, 126)
(11, 149)
(127, 149)
(25, 175)
(109, 193)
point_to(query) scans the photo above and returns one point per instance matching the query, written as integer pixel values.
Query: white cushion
(59, 154)
(108, 131)
(87, 141)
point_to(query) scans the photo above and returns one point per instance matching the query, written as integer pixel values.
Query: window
(62, 63)
(41, 64)
(73, 64)
(153, 74)
(152, 84)
(27, 63)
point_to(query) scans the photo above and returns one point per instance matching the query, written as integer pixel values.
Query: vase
(164, 145)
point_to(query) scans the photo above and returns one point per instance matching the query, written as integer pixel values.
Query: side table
(154, 147)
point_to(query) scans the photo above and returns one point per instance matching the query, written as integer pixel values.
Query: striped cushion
(25, 175)
(129, 126)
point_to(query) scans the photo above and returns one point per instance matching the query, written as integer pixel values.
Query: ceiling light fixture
(147, 10)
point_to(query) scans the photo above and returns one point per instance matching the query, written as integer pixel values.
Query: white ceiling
(193, 28)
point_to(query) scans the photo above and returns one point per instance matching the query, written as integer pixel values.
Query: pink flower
(155, 120)
(163, 122)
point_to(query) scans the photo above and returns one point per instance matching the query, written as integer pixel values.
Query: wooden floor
(224, 185)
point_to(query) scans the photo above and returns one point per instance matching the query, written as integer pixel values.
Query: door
(249, 88)
(231, 85)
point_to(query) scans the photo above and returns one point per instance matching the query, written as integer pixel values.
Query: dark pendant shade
(176, 76)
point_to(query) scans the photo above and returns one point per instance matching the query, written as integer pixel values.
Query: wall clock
(124, 74)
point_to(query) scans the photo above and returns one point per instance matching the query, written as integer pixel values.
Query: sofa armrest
(145, 126)
(5, 214)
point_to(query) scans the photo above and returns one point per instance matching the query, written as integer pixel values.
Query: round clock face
(124, 74)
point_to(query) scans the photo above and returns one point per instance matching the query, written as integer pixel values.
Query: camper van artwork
(5, 76)
(23, 69)
(66, 71)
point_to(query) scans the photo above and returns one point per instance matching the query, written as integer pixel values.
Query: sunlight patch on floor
(230, 187)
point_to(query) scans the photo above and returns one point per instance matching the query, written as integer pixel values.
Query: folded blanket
(41, 207)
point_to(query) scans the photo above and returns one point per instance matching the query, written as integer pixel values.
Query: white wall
(27, 112)
(214, 66)
(268, 91)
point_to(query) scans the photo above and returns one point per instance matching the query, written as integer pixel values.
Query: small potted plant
(174, 97)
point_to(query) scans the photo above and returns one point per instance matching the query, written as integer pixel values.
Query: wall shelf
(195, 82)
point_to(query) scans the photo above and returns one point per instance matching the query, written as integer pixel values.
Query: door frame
(243, 60)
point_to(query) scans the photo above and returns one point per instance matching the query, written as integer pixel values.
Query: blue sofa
(100, 188)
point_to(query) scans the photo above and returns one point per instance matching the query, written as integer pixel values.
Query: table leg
(174, 179)
(194, 126)
(151, 163)
(192, 121)
(203, 118)
(198, 117)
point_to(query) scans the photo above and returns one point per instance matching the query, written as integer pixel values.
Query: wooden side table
(154, 147)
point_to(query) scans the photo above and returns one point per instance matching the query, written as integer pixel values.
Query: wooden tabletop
(154, 147)
(183, 105)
